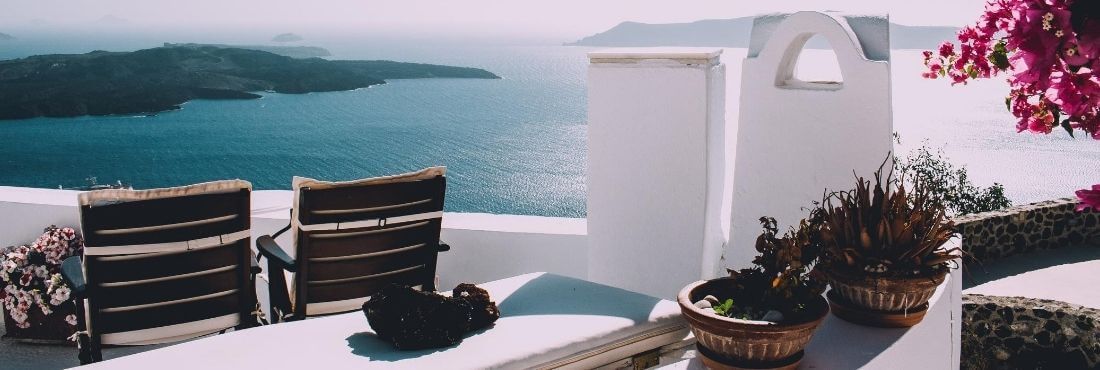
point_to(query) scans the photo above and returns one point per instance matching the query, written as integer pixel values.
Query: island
(6, 37)
(735, 32)
(286, 37)
(300, 52)
(160, 79)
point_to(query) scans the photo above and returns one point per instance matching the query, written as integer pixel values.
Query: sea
(512, 146)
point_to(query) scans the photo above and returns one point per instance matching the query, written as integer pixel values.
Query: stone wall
(1017, 332)
(1044, 225)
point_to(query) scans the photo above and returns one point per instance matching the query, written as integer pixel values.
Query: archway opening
(817, 65)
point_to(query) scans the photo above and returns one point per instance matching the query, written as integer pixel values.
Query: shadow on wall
(560, 295)
(838, 330)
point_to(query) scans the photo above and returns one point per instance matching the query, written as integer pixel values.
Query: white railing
(484, 247)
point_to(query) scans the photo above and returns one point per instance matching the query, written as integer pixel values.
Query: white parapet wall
(656, 161)
(484, 247)
(798, 139)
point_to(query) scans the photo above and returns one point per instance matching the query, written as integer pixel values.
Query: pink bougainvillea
(1050, 50)
(1089, 198)
(1047, 48)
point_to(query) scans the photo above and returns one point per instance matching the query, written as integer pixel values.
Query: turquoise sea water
(516, 145)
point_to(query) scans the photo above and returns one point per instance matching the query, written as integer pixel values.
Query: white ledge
(50, 197)
(676, 55)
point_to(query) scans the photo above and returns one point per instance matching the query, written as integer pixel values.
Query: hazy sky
(547, 18)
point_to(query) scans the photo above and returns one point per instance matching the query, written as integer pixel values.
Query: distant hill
(6, 37)
(734, 33)
(286, 37)
(300, 52)
(159, 79)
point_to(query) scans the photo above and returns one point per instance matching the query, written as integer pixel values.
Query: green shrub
(948, 185)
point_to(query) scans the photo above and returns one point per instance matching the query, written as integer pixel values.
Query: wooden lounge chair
(162, 265)
(353, 238)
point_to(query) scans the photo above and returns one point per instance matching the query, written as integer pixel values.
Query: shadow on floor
(28, 356)
(978, 274)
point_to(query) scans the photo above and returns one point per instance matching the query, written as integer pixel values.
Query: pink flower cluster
(1089, 199)
(30, 276)
(1050, 50)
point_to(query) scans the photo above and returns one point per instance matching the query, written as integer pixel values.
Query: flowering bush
(1089, 198)
(1050, 48)
(31, 278)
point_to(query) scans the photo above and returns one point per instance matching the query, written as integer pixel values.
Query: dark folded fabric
(411, 320)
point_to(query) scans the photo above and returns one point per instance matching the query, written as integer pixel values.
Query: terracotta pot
(884, 302)
(747, 344)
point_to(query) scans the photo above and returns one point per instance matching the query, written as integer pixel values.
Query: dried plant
(886, 230)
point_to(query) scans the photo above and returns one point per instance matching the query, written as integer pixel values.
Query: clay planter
(881, 302)
(728, 343)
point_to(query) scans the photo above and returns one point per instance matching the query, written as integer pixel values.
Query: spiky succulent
(886, 230)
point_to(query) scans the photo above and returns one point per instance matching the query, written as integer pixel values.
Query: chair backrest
(166, 264)
(354, 238)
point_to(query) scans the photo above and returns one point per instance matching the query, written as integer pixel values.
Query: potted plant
(761, 317)
(35, 301)
(884, 252)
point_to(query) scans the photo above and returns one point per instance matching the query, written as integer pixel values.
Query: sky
(566, 19)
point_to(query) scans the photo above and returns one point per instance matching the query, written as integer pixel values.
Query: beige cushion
(110, 196)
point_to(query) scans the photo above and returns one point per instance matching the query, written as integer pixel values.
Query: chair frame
(74, 268)
(281, 308)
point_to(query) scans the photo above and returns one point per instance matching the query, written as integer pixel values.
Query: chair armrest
(443, 246)
(73, 274)
(271, 250)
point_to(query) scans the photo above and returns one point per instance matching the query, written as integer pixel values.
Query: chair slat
(373, 201)
(397, 236)
(131, 295)
(115, 322)
(157, 265)
(158, 212)
(343, 269)
(358, 289)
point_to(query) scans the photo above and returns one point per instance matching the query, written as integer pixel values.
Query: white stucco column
(655, 167)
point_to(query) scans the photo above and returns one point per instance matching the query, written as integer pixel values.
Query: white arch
(788, 35)
(796, 139)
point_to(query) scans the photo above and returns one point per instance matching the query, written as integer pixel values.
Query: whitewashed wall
(656, 163)
(796, 139)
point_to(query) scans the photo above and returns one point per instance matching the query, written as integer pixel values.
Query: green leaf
(724, 308)
(1008, 103)
(999, 56)
(1065, 125)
